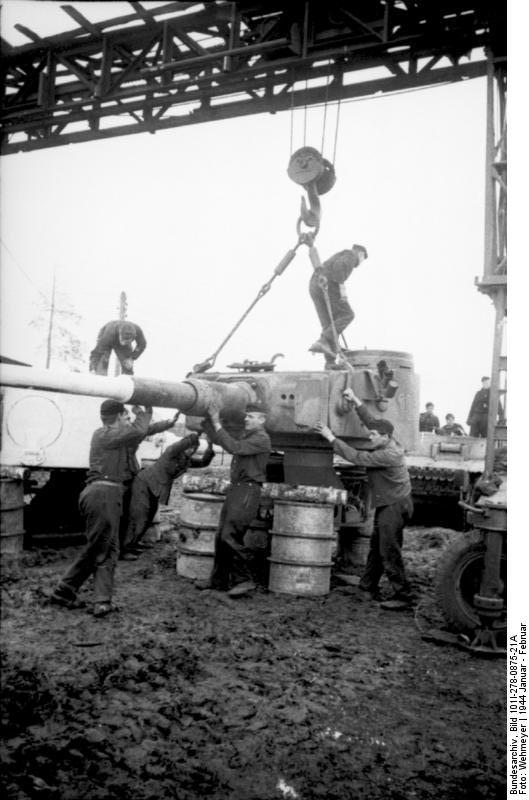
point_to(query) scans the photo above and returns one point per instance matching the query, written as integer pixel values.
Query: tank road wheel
(458, 579)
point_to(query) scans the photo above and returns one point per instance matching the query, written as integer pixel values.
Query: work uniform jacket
(338, 267)
(111, 447)
(387, 474)
(428, 422)
(133, 465)
(480, 405)
(159, 476)
(108, 340)
(451, 430)
(250, 453)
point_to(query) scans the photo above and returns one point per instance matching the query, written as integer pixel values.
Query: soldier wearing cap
(336, 270)
(390, 496)
(248, 472)
(428, 421)
(479, 411)
(117, 335)
(101, 503)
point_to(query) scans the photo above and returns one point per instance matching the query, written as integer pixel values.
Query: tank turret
(293, 401)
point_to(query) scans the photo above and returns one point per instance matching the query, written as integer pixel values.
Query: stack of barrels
(294, 557)
(11, 517)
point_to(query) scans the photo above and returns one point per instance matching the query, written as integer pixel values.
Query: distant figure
(452, 428)
(428, 422)
(117, 335)
(336, 270)
(479, 410)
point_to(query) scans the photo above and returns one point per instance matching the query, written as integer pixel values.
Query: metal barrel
(199, 518)
(302, 545)
(11, 517)
(355, 542)
(191, 396)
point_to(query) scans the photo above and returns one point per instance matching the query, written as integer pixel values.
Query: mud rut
(188, 695)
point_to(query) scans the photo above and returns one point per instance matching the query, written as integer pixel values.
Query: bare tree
(58, 321)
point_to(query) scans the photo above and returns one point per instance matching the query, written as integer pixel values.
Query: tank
(385, 380)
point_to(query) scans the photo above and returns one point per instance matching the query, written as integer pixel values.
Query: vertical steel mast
(494, 279)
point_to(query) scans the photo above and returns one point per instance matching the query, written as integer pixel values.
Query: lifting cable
(316, 174)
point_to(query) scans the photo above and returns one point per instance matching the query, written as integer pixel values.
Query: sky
(191, 222)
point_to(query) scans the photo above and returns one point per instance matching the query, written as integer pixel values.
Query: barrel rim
(298, 563)
(208, 495)
(306, 503)
(186, 552)
(325, 537)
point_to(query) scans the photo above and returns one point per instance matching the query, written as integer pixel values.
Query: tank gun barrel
(190, 396)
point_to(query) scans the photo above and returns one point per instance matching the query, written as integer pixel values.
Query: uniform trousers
(342, 312)
(385, 547)
(142, 510)
(101, 506)
(232, 558)
(478, 426)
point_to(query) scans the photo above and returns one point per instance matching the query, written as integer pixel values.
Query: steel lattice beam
(174, 65)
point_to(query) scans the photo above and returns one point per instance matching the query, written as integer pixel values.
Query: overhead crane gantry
(182, 63)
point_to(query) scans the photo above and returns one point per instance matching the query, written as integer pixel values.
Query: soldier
(479, 411)
(452, 428)
(101, 503)
(250, 456)
(428, 421)
(152, 485)
(390, 495)
(117, 335)
(133, 468)
(335, 270)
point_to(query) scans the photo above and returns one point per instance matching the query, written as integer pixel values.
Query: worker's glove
(324, 431)
(127, 363)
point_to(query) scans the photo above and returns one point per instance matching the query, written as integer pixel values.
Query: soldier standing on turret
(336, 270)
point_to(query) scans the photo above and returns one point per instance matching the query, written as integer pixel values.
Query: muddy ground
(186, 694)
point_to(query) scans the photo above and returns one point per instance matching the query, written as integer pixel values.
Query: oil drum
(199, 518)
(302, 544)
(11, 517)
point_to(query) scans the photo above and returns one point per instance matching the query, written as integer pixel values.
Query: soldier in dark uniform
(479, 410)
(428, 421)
(248, 472)
(452, 428)
(336, 270)
(390, 496)
(101, 503)
(152, 485)
(117, 335)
